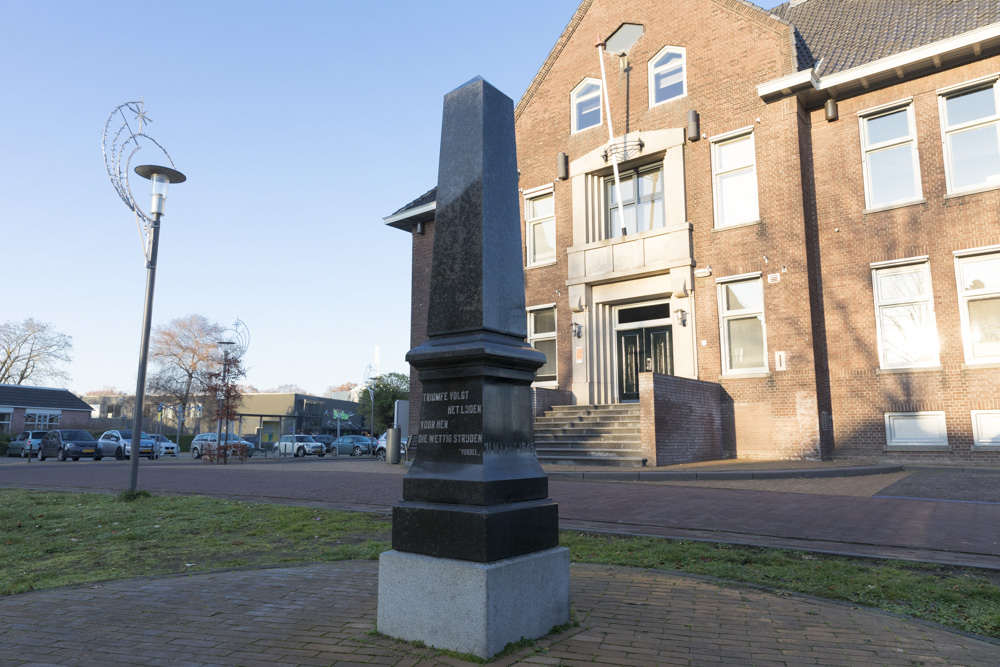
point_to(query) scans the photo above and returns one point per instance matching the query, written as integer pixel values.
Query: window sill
(739, 226)
(539, 265)
(890, 207)
(545, 385)
(916, 448)
(986, 448)
(973, 191)
(908, 369)
(976, 365)
(742, 376)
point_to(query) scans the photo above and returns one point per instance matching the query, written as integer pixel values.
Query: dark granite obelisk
(476, 561)
(476, 490)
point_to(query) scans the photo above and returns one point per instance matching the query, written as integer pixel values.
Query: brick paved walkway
(324, 615)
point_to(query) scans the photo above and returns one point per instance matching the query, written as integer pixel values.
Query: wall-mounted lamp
(694, 126)
(681, 316)
(831, 109)
(703, 273)
(562, 166)
(577, 330)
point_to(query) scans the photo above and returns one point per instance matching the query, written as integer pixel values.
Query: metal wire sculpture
(239, 335)
(125, 140)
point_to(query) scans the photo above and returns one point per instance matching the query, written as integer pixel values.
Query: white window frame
(947, 131)
(905, 266)
(965, 296)
(634, 174)
(725, 315)
(868, 149)
(895, 421)
(575, 100)
(722, 140)
(529, 225)
(6, 417)
(986, 429)
(653, 71)
(52, 418)
(533, 336)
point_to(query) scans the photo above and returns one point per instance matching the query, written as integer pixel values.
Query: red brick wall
(730, 48)
(681, 420)
(850, 240)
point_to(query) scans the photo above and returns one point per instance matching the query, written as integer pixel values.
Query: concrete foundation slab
(472, 607)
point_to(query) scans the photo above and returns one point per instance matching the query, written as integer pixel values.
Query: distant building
(801, 259)
(40, 409)
(274, 415)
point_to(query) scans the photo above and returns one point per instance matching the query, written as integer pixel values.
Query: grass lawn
(55, 539)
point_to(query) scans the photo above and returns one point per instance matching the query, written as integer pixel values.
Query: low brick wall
(681, 420)
(543, 399)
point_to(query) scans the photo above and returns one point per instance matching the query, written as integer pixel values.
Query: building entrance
(644, 344)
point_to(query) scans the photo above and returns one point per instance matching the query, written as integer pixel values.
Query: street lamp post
(223, 397)
(161, 178)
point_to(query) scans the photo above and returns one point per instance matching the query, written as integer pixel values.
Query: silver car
(298, 445)
(165, 446)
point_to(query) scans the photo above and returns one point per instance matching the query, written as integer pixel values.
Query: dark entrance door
(639, 350)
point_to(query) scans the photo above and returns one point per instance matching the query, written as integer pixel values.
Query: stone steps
(604, 435)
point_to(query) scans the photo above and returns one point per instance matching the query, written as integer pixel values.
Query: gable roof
(841, 34)
(41, 397)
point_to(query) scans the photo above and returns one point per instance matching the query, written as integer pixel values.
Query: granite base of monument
(469, 607)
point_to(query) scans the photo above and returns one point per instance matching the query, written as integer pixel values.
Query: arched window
(667, 75)
(585, 101)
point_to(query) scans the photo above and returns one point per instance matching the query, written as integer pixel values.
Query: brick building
(801, 245)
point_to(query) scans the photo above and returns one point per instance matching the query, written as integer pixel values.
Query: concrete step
(587, 446)
(607, 460)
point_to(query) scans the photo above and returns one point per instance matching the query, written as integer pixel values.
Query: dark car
(325, 440)
(67, 443)
(25, 444)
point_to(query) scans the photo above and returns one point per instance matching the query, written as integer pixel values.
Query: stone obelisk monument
(476, 561)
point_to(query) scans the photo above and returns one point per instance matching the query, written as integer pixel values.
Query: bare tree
(224, 382)
(185, 351)
(344, 386)
(33, 350)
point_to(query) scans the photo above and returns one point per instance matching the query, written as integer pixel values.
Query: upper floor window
(542, 337)
(667, 76)
(979, 293)
(540, 228)
(641, 201)
(971, 125)
(741, 315)
(892, 170)
(904, 309)
(734, 174)
(586, 102)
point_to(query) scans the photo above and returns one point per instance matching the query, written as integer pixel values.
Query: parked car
(298, 445)
(353, 445)
(67, 443)
(165, 446)
(325, 440)
(381, 450)
(205, 443)
(26, 443)
(118, 442)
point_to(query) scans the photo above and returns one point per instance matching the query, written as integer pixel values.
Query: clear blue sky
(299, 125)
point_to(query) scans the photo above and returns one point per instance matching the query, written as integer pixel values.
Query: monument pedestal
(471, 607)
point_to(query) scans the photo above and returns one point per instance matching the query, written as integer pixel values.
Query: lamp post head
(161, 177)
